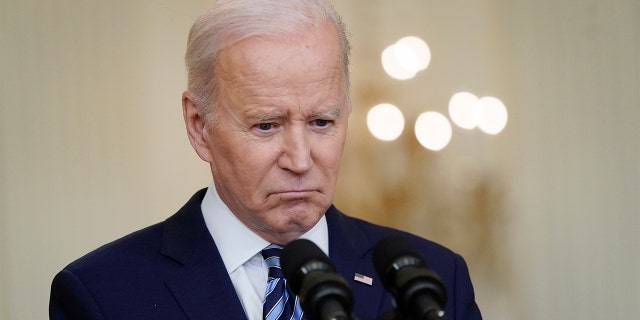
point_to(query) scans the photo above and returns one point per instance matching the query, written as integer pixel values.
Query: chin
(301, 218)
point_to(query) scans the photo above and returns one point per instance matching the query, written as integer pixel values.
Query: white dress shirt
(240, 250)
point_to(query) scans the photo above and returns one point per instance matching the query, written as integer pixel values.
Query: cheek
(329, 153)
(246, 164)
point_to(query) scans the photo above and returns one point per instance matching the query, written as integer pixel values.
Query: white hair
(230, 21)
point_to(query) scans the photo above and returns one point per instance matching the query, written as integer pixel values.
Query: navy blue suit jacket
(172, 270)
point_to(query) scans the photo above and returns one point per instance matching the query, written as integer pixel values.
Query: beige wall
(547, 213)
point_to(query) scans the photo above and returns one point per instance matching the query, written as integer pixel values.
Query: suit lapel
(201, 285)
(350, 251)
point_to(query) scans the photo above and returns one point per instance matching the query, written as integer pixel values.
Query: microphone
(418, 291)
(324, 294)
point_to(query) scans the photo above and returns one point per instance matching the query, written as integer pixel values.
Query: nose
(296, 151)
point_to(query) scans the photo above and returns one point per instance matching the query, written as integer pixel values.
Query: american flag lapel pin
(363, 279)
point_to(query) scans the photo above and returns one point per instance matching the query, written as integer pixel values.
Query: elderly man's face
(279, 131)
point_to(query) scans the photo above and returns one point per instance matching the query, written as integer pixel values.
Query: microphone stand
(333, 310)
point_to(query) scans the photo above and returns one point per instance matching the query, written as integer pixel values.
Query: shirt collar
(237, 243)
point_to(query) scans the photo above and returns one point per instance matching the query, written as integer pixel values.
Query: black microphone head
(416, 289)
(298, 253)
(311, 275)
(390, 249)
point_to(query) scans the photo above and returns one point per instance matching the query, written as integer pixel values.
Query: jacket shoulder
(375, 232)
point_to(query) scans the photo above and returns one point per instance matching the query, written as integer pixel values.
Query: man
(267, 107)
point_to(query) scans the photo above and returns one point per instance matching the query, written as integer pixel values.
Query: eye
(321, 122)
(265, 126)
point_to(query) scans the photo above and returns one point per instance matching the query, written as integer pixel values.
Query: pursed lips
(303, 193)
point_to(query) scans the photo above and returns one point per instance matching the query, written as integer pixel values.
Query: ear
(196, 126)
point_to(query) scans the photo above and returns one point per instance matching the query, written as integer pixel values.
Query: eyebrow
(266, 116)
(332, 113)
(263, 114)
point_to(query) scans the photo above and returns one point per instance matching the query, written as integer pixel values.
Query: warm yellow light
(433, 130)
(463, 110)
(385, 122)
(492, 116)
(403, 59)
(419, 49)
(394, 63)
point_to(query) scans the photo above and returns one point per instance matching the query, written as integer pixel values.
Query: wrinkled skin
(276, 143)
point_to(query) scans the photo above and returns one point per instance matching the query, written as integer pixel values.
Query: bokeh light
(405, 58)
(419, 49)
(433, 130)
(463, 110)
(391, 57)
(493, 115)
(385, 122)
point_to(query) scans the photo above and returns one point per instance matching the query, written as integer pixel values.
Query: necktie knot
(279, 303)
(271, 255)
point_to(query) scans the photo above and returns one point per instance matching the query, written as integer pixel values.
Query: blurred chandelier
(403, 60)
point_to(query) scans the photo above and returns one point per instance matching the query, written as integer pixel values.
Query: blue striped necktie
(279, 303)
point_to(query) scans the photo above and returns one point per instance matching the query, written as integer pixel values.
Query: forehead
(305, 57)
